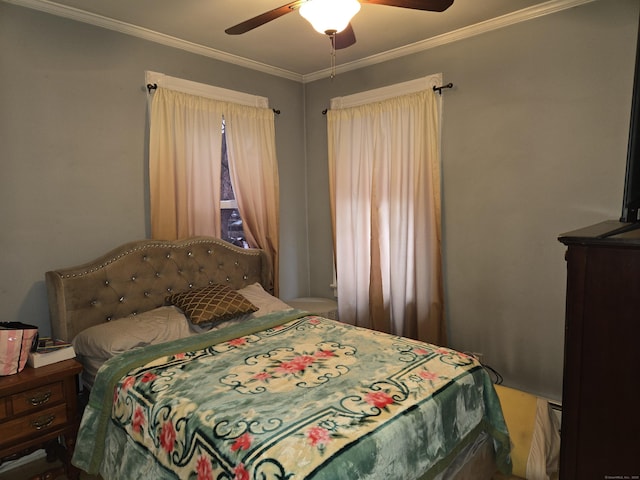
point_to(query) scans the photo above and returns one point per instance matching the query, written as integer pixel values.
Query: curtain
(254, 174)
(384, 171)
(185, 148)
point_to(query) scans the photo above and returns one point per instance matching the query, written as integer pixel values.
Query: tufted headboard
(137, 277)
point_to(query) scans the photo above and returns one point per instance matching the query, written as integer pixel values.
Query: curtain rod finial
(439, 89)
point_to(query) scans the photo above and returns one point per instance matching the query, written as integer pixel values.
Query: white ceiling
(288, 46)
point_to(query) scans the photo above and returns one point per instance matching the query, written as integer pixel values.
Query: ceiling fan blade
(429, 5)
(343, 39)
(261, 19)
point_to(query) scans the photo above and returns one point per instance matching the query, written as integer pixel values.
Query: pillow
(105, 340)
(262, 299)
(95, 345)
(214, 303)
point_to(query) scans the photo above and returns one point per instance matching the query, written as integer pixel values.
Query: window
(185, 192)
(230, 220)
(384, 164)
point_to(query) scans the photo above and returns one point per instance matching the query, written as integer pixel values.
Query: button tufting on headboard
(137, 276)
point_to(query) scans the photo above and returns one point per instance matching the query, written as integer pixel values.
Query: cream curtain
(185, 145)
(254, 175)
(384, 170)
(185, 142)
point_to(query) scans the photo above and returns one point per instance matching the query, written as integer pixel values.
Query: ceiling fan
(336, 16)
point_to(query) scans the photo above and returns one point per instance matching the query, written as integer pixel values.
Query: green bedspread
(287, 397)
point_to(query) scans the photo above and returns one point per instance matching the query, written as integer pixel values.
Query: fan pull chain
(333, 56)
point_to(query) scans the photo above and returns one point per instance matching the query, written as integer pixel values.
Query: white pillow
(107, 339)
(262, 299)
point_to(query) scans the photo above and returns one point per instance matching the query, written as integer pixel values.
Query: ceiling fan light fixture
(329, 16)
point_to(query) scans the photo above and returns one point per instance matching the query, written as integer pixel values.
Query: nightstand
(325, 307)
(37, 407)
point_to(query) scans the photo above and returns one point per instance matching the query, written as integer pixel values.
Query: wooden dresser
(37, 406)
(601, 387)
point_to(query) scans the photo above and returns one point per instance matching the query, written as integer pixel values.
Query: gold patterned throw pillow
(213, 303)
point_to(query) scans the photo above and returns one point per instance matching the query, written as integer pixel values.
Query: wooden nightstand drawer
(38, 409)
(37, 398)
(38, 422)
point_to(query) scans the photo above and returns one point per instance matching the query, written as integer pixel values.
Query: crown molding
(151, 35)
(523, 15)
(519, 16)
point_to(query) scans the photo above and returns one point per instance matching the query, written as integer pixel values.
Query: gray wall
(534, 145)
(73, 133)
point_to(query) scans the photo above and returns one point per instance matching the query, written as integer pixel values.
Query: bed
(196, 371)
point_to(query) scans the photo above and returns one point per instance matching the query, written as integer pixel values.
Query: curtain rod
(439, 89)
(435, 89)
(153, 86)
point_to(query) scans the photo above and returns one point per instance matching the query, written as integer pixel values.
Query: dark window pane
(232, 230)
(231, 222)
(226, 190)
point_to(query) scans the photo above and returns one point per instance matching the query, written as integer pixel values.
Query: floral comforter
(287, 397)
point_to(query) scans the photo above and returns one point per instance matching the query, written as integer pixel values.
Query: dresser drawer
(38, 422)
(37, 398)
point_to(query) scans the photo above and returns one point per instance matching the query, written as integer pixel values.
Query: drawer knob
(39, 398)
(43, 421)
